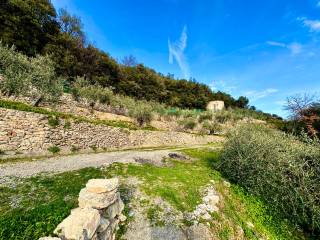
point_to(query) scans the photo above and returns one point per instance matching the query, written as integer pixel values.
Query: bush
(44, 80)
(53, 121)
(223, 116)
(25, 76)
(188, 124)
(142, 114)
(205, 116)
(54, 149)
(212, 127)
(279, 168)
(74, 148)
(14, 68)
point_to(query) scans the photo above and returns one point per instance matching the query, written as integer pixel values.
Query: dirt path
(75, 162)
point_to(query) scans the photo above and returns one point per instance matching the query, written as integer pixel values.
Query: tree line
(34, 27)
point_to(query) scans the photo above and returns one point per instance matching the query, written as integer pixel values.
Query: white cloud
(294, 47)
(254, 95)
(176, 51)
(313, 25)
(221, 85)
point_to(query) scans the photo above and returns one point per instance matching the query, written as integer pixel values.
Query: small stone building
(215, 106)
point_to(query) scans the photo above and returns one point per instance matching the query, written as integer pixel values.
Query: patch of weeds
(224, 233)
(94, 147)
(53, 121)
(2, 152)
(54, 149)
(74, 148)
(154, 215)
(67, 125)
(125, 194)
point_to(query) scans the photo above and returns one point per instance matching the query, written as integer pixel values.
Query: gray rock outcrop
(98, 214)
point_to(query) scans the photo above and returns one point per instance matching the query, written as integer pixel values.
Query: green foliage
(67, 125)
(53, 121)
(94, 147)
(54, 149)
(14, 69)
(43, 78)
(142, 113)
(44, 201)
(28, 24)
(212, 127)
(281, 169)
(41, 31)
(92, 93)
(207, 115)
(74, 149)
(188, 124)
(25, 76)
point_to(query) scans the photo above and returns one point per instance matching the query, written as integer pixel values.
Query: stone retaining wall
(98, 214)
(29, 132)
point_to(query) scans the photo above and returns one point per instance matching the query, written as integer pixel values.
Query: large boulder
(82, 223)
(102, 185)
(115, 209)
(96, 200)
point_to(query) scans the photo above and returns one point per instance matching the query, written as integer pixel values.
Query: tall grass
(280, 168)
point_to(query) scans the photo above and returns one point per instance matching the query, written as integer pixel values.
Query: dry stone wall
(29, 132)
(98, 214)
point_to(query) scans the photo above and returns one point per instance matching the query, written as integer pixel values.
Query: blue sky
(265, 50)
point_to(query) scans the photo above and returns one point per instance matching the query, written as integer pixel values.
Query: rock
(199, 232)
(104, 224)
(115, 209)
(178, 156)
(102, 185)
(96, 200)
(81, 224)
(122, 218)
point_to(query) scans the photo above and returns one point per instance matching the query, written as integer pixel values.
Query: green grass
(55, 115)
(54, 149)
(33, 207)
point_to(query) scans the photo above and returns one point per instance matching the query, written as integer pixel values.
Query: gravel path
(75, 162)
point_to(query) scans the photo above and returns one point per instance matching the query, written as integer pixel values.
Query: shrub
(14, 68)
(279, 168)
(93, 93)
(53, 121)
(2, 152)
(74, 149)
(212, 127)
(142, 114)
(54, 149)
(44, 80)
(94, 147)
(188, 124)
(205, 116)
(25, 76)
(67, 125)
(223, 116)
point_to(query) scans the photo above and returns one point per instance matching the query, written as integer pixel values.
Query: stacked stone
(98, 214)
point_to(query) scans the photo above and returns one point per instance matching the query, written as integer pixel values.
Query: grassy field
(31, 208)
